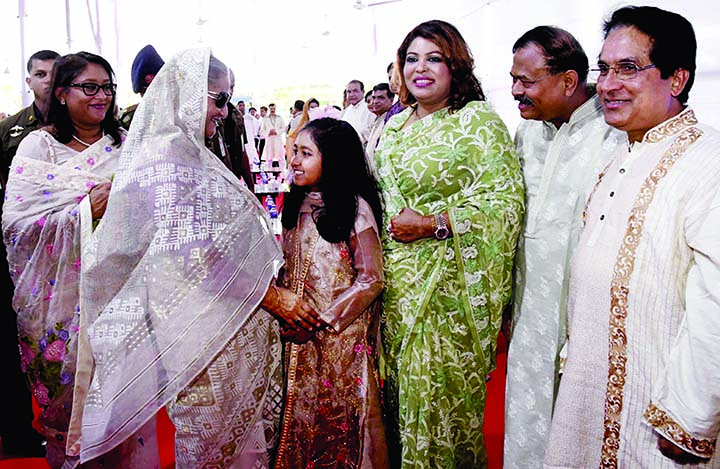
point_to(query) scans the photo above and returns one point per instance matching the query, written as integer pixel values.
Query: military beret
(147, 62)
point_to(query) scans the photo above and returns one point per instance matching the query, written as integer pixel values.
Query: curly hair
(464, 86)
(345, 177)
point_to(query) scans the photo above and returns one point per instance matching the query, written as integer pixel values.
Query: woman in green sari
(453, 194)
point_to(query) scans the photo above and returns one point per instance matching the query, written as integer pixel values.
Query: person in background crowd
(294, 127)
(145, 66)
(357, 113)
(382, 99)
(640, 386)
(563, 144)
(453, 200)
(229, 142)
(261, 138)
(16, 432)
(272, 129)
(394, 81)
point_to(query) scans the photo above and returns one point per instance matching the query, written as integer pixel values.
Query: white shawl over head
(182, 257)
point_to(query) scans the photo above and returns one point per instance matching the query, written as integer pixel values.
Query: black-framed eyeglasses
(623, 70)
(221, 98)
(91, 89)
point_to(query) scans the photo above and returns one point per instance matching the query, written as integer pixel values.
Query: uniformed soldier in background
(146, 65)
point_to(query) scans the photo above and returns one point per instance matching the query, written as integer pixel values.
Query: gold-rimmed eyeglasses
(623, 70)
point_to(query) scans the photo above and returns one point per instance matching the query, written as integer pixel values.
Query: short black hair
(384, 87)
(358, 82)
(561, 50)
(672, 39)
(299, 103)
(44, 54)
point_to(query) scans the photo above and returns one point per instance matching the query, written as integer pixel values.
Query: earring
(62, 101)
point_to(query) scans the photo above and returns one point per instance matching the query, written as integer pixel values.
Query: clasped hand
(408, 226)
(298, 320)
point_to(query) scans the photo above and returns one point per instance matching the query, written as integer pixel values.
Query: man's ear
(678, 80)
(570, 82)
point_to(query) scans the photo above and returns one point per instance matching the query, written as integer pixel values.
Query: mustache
(524, 100)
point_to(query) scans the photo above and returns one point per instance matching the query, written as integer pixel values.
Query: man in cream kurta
(641, 385)
(564, 143)
(357, 113)
(272, 130)
(382, 99)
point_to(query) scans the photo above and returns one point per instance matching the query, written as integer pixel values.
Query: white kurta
(274, 144)
(374, 132)
(359, 116)
(644, 308)
(560, 167)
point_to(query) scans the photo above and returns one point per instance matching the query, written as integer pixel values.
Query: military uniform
(127, 116)
(12, 130)
(16, 431)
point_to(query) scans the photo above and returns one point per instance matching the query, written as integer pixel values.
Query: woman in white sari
(58, 187)
(173, 283)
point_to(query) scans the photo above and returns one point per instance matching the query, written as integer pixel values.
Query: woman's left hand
(409, 226)
(98, 199)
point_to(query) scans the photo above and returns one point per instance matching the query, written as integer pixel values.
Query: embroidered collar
(672, 126)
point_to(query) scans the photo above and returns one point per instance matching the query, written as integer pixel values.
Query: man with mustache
(563, 144)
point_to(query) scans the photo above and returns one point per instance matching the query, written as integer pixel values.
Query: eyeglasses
(623, 70)
(91, 89)
(525, 83)
(221, 98)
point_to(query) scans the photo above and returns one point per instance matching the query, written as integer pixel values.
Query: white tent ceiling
(286, 49)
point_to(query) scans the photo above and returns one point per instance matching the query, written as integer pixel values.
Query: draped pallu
(178, 266)
(443, 301)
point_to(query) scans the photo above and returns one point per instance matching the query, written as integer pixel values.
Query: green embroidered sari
(443, 301)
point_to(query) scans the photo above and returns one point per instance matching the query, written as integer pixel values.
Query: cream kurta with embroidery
(644, 308)
(560, 167)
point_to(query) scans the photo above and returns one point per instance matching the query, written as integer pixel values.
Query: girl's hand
(295, 312)
(409, 225)
(295, 336)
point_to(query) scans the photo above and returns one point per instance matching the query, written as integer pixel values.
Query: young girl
(331, 414)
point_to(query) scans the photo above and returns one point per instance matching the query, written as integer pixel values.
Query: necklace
(87, 145)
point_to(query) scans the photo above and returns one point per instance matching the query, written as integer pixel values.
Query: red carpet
(494, 425)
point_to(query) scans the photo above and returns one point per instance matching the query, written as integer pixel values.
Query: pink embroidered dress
(332, 416)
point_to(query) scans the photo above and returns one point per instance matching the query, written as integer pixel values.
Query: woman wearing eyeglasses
(183, 259)
(58, 186)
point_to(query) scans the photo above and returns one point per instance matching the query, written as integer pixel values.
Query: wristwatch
(441, 228)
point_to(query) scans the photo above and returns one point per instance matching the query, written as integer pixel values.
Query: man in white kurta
(272, 129)
(641, 385)
(357, 113)
(382, 99)
(563, 143)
